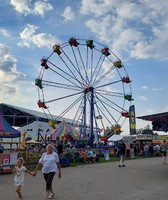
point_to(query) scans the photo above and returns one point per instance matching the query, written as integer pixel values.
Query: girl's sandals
(51, 196)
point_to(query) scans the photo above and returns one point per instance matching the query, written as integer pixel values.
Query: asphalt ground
(141, 179)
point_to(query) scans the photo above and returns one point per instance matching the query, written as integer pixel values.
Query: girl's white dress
(20, 175)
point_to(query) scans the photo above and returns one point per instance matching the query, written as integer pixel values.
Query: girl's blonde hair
(21, 159)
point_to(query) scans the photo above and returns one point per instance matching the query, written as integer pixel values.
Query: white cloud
(127, 39)
(4, 32)
(9, 76)
(101, 27)
(156, 89)
(68, 14)
(27, 7)
(145, 87)
(8, 69)
(99, 8)
(137, 28)
(144, 98)
(30, 38)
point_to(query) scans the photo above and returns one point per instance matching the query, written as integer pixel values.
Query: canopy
(6, 130)
(65, 130)
(115, 137)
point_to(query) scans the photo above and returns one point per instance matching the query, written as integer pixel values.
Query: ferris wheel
(85, 81)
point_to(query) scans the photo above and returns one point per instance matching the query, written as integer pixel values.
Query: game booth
(8, 156)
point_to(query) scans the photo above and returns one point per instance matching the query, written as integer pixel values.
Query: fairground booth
(8, 156)
(159, 123)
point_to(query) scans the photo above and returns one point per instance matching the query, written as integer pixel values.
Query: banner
(132, 120)
(5, 159)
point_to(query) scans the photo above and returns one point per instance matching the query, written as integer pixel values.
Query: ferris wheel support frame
(91, 116)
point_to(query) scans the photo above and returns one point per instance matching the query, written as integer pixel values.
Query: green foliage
(145, 130)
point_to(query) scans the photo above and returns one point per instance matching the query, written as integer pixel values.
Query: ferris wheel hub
(88, 89)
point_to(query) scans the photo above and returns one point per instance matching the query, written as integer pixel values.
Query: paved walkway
(143, 179)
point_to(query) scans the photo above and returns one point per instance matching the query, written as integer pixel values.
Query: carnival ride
(90, 81)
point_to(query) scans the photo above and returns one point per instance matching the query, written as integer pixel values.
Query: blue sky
(134, 30)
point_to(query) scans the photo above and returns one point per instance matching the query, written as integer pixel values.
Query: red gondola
(125, 114)
(42, 104)
(105, 51)
(125, 80)
(73, 42)
(44, 63)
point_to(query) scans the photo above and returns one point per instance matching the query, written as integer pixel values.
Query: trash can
(106, 154)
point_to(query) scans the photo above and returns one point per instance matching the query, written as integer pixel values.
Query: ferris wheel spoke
(71, 71)
(112, 102)
(100, 110)
(97, 65)
(91, 68)
(108, 84)
(110, 93)
(87, 79)
(110, 106)
(60, 85)
(63, 87)
(106, 109)
(74, 78)
(69, 107)
(104, 75)
(79, 107)
(65, 97)
(99, 114)
(77, 69)
(64, 77)
(98, 71)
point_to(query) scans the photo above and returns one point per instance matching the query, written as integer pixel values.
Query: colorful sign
(5, 159)
(144, 137)
(132, 120)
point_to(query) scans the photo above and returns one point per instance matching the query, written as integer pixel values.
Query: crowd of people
(50, 161)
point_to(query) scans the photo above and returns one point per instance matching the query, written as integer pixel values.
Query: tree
(145, 130)
(114, 129)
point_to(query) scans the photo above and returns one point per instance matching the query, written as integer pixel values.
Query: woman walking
(50, 162)
(164, 148)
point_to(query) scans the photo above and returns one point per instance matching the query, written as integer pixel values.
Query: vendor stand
(9, 156)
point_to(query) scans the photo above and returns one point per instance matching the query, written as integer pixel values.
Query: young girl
(19, 172)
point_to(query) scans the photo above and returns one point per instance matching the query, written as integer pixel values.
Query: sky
(135, 30)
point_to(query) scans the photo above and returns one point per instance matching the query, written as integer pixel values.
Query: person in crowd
(83, 155)
(157, 150)
(60, 148)
(146, 150)
(1, 149)
(122, 149)
(92, 155)
(164, 148)
(19, 178)
(50, 162)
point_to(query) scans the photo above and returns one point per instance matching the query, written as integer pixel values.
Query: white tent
(115, 137)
